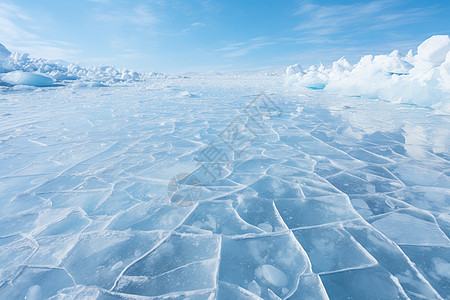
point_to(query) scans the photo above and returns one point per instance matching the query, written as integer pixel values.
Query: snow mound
(422, 79)
(31, 79)
(68, 74)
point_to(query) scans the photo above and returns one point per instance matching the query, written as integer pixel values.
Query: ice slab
(219, 218)
(391, 257)
(310, 287)
(15, 253)
(261, 213)
(361, 284)
(372, 205)
(180, 263)
(316, 211)
(106, 254)
(420, 232)
(332, 249)
(36, 283)
(272, 262)
(148, 217)
(230, 291)
(434, 264)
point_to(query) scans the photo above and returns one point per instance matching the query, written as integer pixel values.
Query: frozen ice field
(331, 198)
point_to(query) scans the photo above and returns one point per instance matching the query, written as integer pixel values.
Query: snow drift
(33, 71)
(422, 79)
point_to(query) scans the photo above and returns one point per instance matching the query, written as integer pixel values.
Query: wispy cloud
(193, 26)
(19, 32)
(9, 30)
(139, 16)
(325, 20)
(198, 24)
(352, 30)
(244, 48)
(99, 1)
(356, 18)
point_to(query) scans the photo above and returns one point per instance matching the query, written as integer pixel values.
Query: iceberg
(4, 53)
(422, 79)
(64, 73)
(24, 78)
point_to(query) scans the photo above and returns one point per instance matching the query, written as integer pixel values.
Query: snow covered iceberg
(31, 79)
(4, 54)
(63, 73)
(422, 79)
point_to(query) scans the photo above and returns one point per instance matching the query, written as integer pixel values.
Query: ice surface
(421, 232)
(180, 263)
(36, 283)
(434, 263)
(332, 249)
(421, 79)
(336, 198)
(362, 284)
(392, 258)
(269, 264)
(310, 287)
(105, 254)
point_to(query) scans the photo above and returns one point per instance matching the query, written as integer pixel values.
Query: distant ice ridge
(422, 79)
(32, 71)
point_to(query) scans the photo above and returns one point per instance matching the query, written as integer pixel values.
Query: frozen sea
(204, 188)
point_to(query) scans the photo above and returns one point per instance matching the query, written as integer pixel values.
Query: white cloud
(20, 33)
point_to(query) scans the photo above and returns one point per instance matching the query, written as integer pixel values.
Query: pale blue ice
(105, 193)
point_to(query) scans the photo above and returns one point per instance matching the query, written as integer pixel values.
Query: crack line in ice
(408, 260)
(160, 242)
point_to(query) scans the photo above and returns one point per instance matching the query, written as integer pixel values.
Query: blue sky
(205, 35)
